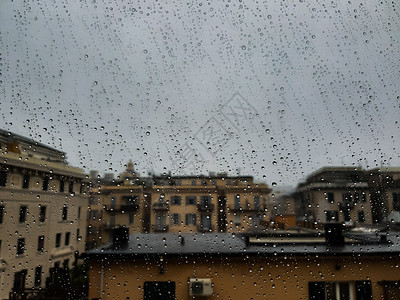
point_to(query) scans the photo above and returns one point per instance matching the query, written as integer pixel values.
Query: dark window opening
(25, 183)
(38, 276)
(71, 187)
(3, 178)
(42, 214)
(45, 185)
(159, 290)
(361, 217)
(331, 197)
(67, 238)
(40, 247)
(62, 186)
(1, 214)
(64, 213)
(190, 200)
(21, 246)
(175, 200)
(58, 240)
(22, 213)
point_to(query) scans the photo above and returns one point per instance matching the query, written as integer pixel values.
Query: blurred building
(43, 205)
(385, 193)
(335, 194)
(177, 204)
(294, 265)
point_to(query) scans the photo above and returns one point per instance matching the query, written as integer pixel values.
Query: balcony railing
(202, 228)
(160, 228)
(205, 207)
(161, 206)
(246, 208)
(122, 208)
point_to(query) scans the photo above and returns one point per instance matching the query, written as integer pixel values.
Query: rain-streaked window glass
(185, 136)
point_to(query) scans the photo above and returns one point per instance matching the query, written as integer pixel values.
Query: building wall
(221, 212)
(72, 204)
(323, 204)
(280, 277)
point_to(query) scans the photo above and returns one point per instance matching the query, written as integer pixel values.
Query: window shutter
(363, 290)
(316, 290)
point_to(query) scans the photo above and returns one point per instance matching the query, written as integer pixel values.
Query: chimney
(333, 234)
(120, 237)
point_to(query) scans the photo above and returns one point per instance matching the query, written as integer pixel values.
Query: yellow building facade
(226, 266)
(177, 204)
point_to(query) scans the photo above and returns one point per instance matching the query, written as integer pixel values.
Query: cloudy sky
(274, 89)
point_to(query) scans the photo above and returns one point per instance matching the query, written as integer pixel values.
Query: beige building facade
(43, 207)
(177, 204)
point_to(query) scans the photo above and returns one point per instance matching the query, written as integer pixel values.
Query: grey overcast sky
(274, 89)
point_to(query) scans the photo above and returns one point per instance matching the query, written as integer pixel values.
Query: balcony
(346, 205)
(247, 208)
(161, 206)
(122, 208)
(201, 228)
(160, 228)
(205, 207)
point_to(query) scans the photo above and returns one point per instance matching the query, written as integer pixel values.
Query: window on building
(22, 213)
(339, 290)
(190, 219)
(396, 201)
(42, 213)
(237, 220)
(113, 202)
(71, 187)
(20, 246)
(237, 201)
(175, 219)
(62, 186)
(159, 290)
(66, 263)
(79, 212)
(175, 200)
(131, 219)
(205, 221)
(45, 184)
(331, 197)
(0, 248)
(332, 216)
(191, 200)
(194, 182)
(257, 205)
(3, 178)
(361, 217)
(78, 232)
(346, 215)
(64, 215)
(161, 219)
(2, 209)
(356, 197)
(363, 197)
(40, 246)
(67, 238)
(205, 201)
(38, 276)
(25, 181)
(58, 240)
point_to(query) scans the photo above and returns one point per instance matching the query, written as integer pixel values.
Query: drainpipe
(101, 279)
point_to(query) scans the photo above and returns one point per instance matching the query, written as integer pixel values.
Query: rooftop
(288, 243)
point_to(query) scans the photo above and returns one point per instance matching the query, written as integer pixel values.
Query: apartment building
(176, 204)
(335, 194)
(295, 265)
(385, 192)
(43, 205)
